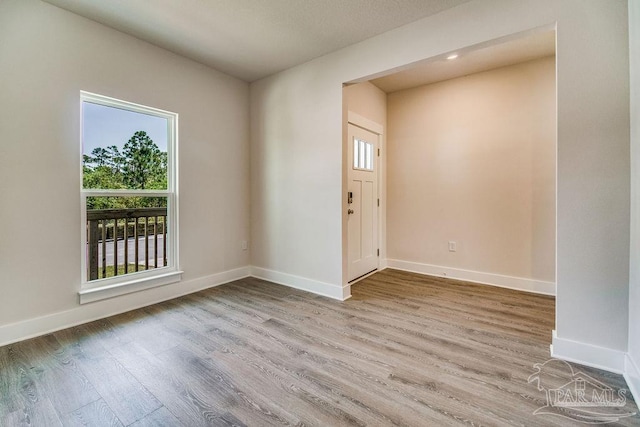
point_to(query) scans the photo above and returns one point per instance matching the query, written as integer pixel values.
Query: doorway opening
(467, 170)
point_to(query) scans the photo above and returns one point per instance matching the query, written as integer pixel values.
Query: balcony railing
(122, 241)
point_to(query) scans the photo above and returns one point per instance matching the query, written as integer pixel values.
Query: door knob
(350, 211)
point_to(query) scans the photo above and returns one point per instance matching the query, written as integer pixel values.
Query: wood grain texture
(406, 349)
(159, 418)
(96, 413)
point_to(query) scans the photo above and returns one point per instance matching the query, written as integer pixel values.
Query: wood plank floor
(404, 350)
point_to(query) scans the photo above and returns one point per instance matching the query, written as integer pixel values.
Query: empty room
(323, 212)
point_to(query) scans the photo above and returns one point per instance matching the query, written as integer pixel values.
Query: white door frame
(378, 129)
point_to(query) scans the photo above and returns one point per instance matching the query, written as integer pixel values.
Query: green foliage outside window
(140, 166)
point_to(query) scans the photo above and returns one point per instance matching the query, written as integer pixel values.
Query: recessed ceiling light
(452, 56)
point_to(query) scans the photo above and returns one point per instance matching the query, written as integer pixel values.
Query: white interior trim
(517, 283)
(340, 293)
(632, 376)
(123, 288)
(31, 328)
(364, 123)
(588, 354)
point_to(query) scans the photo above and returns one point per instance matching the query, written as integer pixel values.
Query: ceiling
(474, 59)
(251, 39)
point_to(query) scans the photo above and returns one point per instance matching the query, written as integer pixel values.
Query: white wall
(298, 223)
(47, 55)
(473, 160)
(633, 359)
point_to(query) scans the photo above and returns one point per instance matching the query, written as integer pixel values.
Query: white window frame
(99, 289)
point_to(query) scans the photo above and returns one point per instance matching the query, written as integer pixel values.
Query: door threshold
(364, 276)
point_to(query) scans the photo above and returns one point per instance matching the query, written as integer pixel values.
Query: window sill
(122, 288)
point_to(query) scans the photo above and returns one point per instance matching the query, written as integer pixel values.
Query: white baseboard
(588, 354)
(518, 283)
(632, 376)
(31, 328)
(340, 293)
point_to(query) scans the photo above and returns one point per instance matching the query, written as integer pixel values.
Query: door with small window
(362, 201)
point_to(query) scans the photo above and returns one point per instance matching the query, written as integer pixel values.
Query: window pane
(356, 156)
(123, 149)
(362, 154)
(125, 235)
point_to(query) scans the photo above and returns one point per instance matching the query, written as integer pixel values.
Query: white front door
(362, 200)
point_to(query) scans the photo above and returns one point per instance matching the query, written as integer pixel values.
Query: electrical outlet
(452, 246)
(244, 245)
